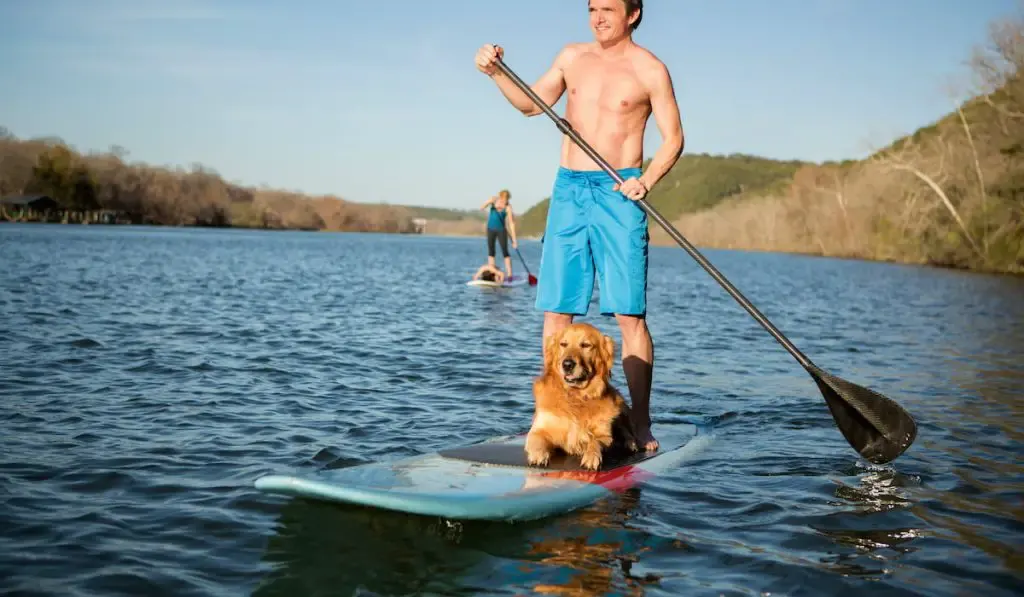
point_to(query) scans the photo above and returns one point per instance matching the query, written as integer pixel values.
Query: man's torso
(608, 105)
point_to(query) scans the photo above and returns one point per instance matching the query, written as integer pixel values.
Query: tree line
(196, 196)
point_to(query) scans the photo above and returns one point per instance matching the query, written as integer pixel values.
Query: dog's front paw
(538, 449)
(538, 456)
(591, 460)
(632, 445)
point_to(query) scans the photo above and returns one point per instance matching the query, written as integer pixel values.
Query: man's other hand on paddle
(632, 188)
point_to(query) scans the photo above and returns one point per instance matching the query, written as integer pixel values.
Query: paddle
(876, 426)
(530, 277)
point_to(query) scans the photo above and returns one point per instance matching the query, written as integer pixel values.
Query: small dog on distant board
(576, 409)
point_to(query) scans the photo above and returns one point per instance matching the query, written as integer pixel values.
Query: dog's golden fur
(576, 408)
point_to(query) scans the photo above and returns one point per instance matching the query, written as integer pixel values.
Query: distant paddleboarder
(489, 273)
(500, 225)
(614, 86)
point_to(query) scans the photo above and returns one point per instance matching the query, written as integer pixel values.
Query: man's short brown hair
(632, 5)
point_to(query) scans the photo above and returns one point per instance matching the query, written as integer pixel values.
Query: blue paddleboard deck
(487, 481)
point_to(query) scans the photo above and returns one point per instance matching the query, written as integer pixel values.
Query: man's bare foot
(646, 439)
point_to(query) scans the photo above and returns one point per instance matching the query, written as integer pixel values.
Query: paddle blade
(878, 428)
(532, 279)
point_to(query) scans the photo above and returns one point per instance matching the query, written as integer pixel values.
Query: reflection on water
(331, 549)
(327, 549)
(150, 375)
(593, 552)
(873, 551)
(877, 490)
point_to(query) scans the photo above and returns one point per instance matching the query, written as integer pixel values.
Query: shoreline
(666, 243)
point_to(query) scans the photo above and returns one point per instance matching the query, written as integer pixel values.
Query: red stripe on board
(617, 479)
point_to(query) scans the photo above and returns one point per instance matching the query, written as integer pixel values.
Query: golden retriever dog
(576, 408)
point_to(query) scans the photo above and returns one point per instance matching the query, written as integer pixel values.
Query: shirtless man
(592, 227)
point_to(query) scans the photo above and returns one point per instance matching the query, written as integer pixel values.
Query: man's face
(608, 19)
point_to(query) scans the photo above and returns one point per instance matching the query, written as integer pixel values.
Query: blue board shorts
(593, 231)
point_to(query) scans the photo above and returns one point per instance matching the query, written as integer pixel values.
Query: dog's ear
(607, 354)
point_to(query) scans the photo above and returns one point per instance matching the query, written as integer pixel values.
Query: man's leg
(566, 274)
(638, 367)
(620, 242)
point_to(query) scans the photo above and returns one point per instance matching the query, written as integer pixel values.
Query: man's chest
(609, 85)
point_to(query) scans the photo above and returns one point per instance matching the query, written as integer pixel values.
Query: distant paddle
(532, 279)
(876, 426)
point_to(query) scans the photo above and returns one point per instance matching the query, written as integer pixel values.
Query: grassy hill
(696, 182)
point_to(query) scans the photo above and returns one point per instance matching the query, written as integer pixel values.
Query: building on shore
(44, 208)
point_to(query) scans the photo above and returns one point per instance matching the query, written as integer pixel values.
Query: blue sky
(379, 100)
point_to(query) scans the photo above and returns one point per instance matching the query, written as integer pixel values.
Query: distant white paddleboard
(508, 283)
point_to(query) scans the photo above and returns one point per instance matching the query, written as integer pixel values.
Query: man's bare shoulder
(644, 59)
(570, 52)
(648, 67)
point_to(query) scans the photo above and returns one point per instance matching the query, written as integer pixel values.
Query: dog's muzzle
(572, 372)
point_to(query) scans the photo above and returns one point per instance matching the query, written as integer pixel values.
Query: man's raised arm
(549, 87)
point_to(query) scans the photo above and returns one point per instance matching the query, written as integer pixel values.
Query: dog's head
(578, 355)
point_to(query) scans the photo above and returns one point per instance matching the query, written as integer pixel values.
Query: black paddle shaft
(566, 128)
(523, 261)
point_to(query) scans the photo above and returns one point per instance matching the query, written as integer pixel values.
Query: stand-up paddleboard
(490, 480)
(508, 283)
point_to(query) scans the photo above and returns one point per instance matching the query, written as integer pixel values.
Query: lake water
(149, 375)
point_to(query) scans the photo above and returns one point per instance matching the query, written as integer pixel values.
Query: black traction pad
(506, 454)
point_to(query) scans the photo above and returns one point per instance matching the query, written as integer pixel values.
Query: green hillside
(696, 182)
